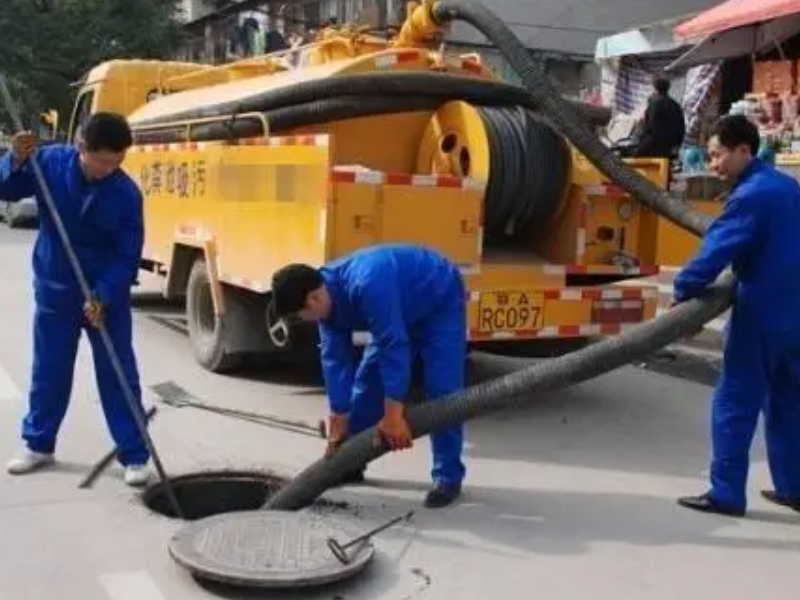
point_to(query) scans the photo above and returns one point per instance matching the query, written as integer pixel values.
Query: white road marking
(130, 585)
(8, 389)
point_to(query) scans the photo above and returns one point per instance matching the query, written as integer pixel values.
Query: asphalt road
(573, 497)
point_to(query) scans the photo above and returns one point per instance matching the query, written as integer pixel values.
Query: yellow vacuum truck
(355, 140)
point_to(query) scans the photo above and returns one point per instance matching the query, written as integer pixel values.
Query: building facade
(562, 34)
(221, 31)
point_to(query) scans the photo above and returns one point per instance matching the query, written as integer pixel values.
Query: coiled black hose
(563, 116)
(559, 372)
(529, 167)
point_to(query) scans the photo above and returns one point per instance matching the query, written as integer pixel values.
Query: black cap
(291, 285)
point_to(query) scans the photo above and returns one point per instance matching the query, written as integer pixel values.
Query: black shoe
(772, 496)
(442, 494)
(353, 477)
(706, 503)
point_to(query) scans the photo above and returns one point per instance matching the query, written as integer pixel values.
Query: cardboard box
(774, 77)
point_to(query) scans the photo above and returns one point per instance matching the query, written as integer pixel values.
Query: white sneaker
(28, 461)
(137, 475)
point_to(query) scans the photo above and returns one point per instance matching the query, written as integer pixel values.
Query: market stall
(766, 32)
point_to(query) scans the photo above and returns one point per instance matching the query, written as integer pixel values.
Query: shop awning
(648, 39)
(734, 28)
(733, 14)
(748, 39)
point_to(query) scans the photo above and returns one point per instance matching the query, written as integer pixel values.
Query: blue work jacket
(387, 290)
(103, 220)
(758, 233)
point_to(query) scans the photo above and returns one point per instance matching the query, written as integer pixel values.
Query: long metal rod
(377, 530)
(258, 419)
(103, 463)
(127, 392)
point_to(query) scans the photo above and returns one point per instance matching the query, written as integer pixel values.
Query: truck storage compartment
(601, 230)
(443, 212)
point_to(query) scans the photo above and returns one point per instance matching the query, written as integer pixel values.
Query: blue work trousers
(440, 342)
(761, 373)
(57, 329)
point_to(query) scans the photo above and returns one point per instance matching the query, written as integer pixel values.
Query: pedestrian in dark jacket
(664, 124)
(757, 235)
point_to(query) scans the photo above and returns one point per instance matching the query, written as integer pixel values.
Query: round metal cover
(268, 549)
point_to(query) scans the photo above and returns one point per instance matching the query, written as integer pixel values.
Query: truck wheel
(207, 332)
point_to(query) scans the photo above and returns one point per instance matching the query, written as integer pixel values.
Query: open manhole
(210, 493)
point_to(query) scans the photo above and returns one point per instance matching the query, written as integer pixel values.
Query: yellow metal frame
(455, 128)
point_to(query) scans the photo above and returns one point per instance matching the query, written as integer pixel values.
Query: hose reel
(525, 163)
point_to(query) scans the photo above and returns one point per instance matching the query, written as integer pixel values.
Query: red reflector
(617, 311)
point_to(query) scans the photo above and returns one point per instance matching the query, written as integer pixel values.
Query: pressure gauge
(625, 211)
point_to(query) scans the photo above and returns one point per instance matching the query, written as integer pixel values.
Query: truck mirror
(49, 119)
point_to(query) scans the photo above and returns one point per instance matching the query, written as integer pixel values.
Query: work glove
(393, 429)
(94, 312)
(338, 432)
(23, 144)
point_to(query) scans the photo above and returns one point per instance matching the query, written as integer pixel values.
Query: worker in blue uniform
(411, 300)
(101, 208)
(757, 234)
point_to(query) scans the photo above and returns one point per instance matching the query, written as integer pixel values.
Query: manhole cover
(268, 549)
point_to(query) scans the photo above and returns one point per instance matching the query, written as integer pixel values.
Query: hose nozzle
(420, 25)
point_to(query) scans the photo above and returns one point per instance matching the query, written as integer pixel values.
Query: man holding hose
(757, 234)
(412, 302)
(101, 208)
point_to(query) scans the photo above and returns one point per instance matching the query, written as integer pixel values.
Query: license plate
(510, 311)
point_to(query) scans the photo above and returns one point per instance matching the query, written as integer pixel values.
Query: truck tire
(209, 335)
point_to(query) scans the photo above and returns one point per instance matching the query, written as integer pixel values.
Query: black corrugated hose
(519, 388)
(396, 85)
(289, 117)
(523, 386)
(529, 168)
(310, 113)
